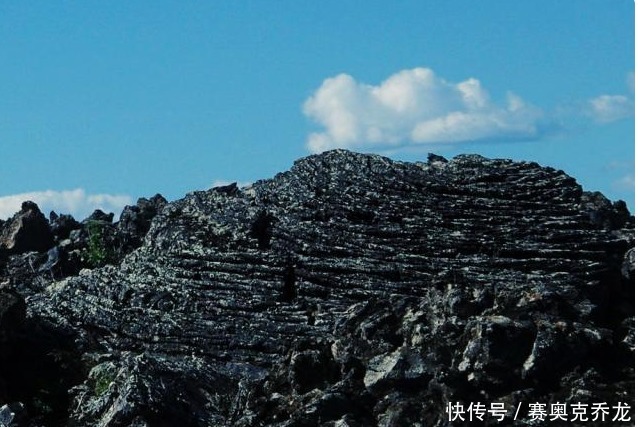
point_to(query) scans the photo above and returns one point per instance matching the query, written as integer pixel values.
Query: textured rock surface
(66, 246)
(350, 291)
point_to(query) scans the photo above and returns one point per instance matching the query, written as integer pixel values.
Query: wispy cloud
(610, 108)
(616, 165)
(621, 174)
(75, 202)
(626, 183)
(605, 109)
(416, 107)
(631, 82)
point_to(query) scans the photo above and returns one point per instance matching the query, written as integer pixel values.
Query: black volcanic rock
(352, 290)
(27, 230)
(62, 226)
(12, 316)
(70, 245)
(99, 215)
(136, 220)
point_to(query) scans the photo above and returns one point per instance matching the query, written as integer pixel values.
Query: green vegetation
(98, 252)
(102, 376)
(102, 385)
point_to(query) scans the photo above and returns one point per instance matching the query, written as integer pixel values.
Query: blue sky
(105, 102)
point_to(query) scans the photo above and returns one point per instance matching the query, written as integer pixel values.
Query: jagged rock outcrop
(37, 252)
(352, 290)
(28, 230)
(136, 220)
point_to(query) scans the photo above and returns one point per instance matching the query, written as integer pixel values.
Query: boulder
(27, 230)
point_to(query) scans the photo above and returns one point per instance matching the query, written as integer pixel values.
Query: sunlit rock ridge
(351, 290)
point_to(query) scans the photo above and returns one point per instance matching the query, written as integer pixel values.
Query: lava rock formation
(352, 290)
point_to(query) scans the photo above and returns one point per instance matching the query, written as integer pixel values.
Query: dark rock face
(351, 291)
(62, 226)
(28, 230)
(12, 317)
(136, 220)
(99, 215)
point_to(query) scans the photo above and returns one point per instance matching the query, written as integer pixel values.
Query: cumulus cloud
(610, 108)
(75, 202)
(415, 107)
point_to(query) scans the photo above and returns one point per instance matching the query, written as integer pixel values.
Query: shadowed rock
(27, 230)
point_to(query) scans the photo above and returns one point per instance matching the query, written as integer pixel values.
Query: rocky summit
(352, 290)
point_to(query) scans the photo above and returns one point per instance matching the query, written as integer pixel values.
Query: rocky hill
(352, 290)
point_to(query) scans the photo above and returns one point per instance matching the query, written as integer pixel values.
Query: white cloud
(415, 107)
(609, 108)
(75, 202)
